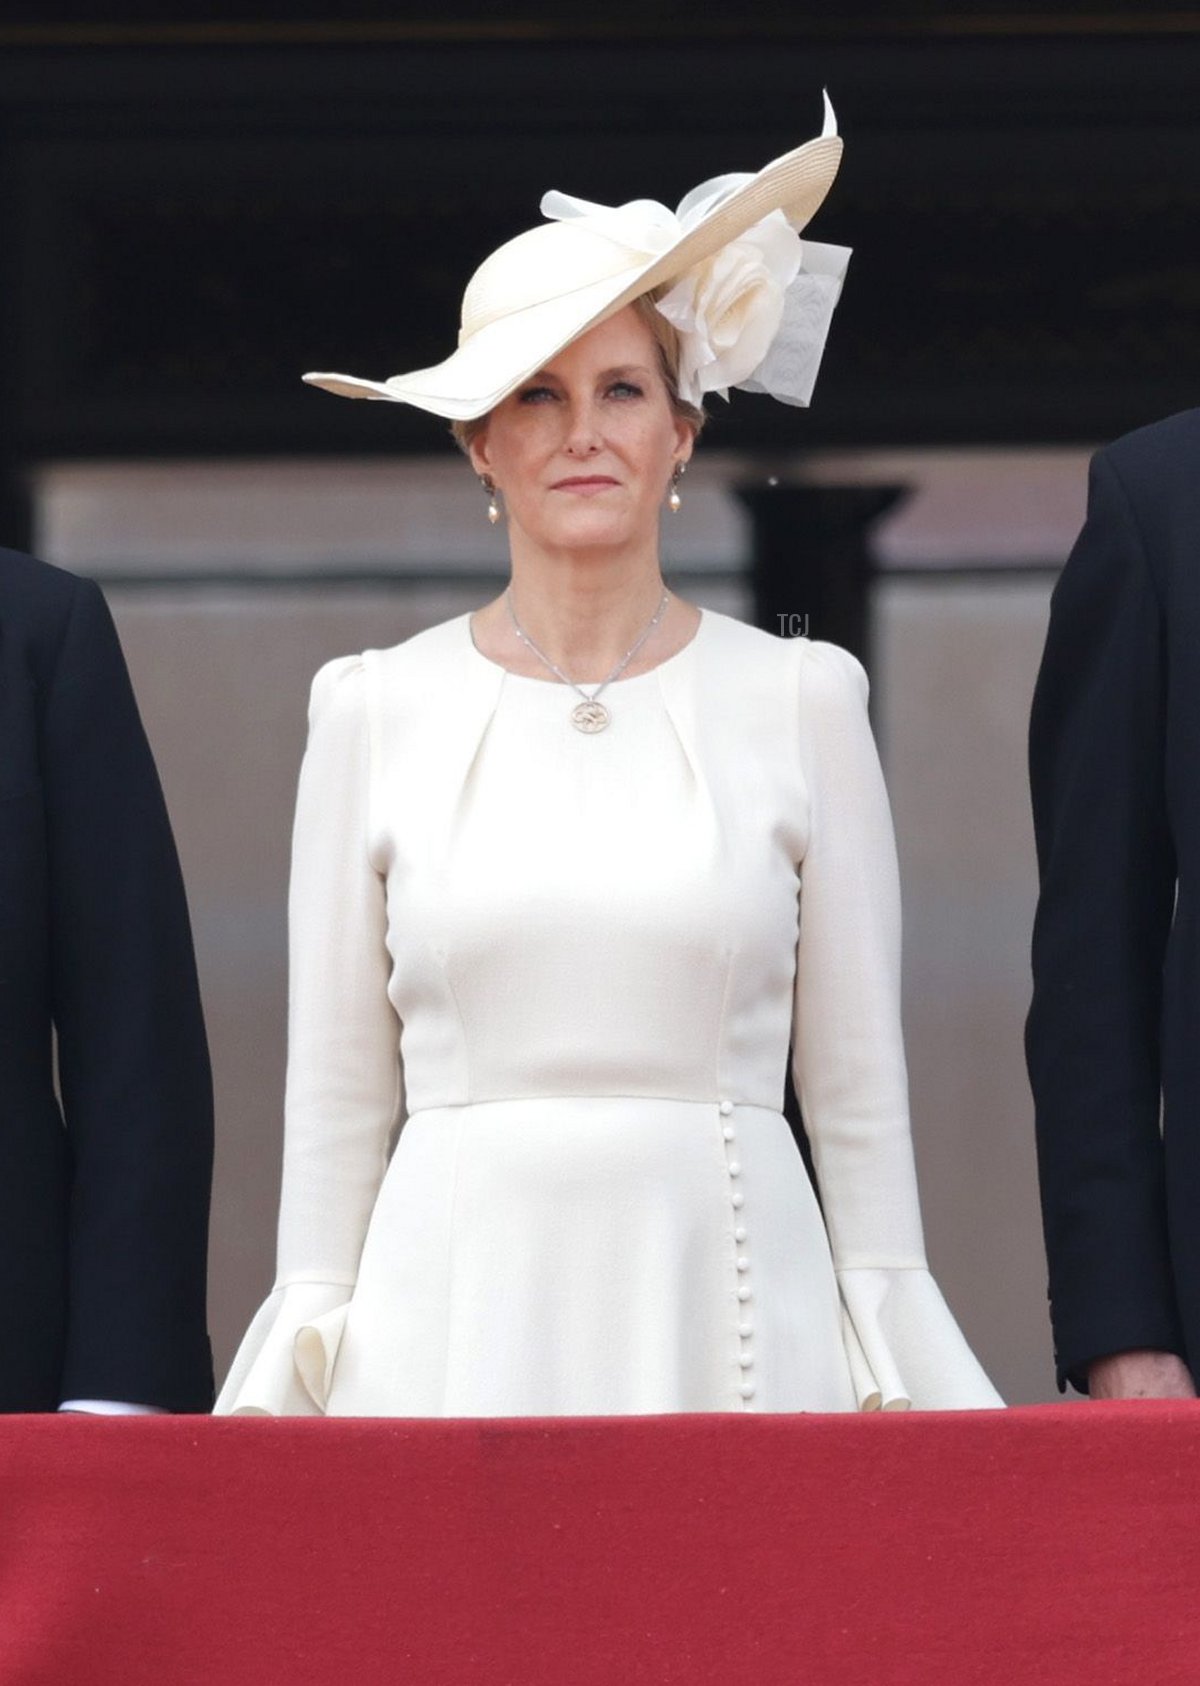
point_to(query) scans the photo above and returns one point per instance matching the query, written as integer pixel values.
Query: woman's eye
(624, 389)
(536, 394)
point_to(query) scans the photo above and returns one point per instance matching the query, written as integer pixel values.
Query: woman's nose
(583, 430)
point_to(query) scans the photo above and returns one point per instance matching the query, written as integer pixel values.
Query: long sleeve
(132, 1054)
(344, 1089)
(848, 1058)
(1107, 867)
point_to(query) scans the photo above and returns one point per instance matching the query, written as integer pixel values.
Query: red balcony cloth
(1047, 1544)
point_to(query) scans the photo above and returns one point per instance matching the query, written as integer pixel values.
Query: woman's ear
(478, 452)
(685, 440)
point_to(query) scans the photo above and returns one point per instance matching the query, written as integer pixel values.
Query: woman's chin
(587, 529)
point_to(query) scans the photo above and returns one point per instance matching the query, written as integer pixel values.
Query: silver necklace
(590, 715)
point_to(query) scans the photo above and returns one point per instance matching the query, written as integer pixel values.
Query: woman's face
(584, 451)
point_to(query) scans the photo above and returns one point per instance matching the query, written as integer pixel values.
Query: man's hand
(1140, 1375)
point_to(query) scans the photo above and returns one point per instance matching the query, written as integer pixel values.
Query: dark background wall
(198, 205)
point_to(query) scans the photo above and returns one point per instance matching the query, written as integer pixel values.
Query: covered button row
(738, 1200)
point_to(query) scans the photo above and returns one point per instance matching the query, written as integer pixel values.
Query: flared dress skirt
(597, 1255)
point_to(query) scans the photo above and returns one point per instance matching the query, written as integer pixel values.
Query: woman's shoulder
(822, 671)
(416, 661)
(831, 673)
(424, 654)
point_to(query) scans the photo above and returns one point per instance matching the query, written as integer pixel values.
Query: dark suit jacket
(104, 1202)
(1115, 1019)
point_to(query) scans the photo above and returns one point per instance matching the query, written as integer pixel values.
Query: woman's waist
(623, 1051)
(592, 1108)
(541, 1103)
(594, 1142)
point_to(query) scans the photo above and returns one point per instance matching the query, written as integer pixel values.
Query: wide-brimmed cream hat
(731, 255)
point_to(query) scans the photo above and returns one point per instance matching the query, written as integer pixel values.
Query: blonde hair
(666, 338)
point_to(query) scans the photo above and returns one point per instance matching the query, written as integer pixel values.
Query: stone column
(812, 564)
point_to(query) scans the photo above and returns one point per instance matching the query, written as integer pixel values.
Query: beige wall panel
(954, 668)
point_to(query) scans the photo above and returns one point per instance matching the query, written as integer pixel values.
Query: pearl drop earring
(493, 508)
(674, 501)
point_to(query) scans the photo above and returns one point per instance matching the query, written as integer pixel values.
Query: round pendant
(589, 716)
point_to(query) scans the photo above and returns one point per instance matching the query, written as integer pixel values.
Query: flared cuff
(284, 1365)
(904, 1348)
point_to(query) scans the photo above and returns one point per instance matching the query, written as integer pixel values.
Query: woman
(580, 864)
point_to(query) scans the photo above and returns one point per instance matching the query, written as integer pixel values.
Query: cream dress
(542, 991)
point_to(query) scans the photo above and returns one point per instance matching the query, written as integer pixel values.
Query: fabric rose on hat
(729, 307)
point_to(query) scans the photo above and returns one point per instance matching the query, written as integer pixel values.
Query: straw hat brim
(495, 360)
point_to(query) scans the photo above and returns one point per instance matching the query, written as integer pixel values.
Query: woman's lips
(585, 485)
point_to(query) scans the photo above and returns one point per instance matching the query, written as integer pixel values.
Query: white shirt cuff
(112, 1408)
